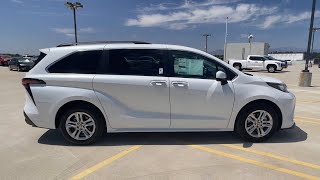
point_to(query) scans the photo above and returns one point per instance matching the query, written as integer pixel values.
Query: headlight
(282, 87)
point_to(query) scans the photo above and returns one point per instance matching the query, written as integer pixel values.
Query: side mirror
(222, 77)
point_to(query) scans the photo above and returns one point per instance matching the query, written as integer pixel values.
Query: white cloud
(70, 31)
(196, 13)
(17, 1)
(271, 21)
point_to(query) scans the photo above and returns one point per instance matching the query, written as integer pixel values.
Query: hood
(269, 79)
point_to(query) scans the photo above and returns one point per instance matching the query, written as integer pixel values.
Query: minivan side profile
(88, 89)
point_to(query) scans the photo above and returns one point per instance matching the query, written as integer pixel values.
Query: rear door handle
(158, 83)
(180, 84)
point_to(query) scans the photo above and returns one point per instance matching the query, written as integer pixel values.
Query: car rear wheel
(82, 125)
(271, 68)
(10, 69)
(257, 122)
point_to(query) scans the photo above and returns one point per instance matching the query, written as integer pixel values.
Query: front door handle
(180, 84)
(158, 83)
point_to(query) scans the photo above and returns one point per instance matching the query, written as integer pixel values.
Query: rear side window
(141, 62)
(40, 57)
(83, 62)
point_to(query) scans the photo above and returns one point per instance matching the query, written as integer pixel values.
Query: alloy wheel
(259, 123)
(80, 126)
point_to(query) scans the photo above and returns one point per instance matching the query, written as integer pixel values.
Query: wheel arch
(76, 103)
(263, 101)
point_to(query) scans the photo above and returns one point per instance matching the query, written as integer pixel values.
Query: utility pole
(74, 6)
(206, 36)
(225, 41)
(306, 75)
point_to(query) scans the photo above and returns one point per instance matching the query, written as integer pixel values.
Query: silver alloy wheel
(259, 123)
(80, 126)
(237, 67)
(272, 69)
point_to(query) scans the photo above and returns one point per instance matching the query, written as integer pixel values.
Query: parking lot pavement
(33, 153)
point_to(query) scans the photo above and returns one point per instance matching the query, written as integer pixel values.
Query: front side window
(82, 62)
(191, 65)
(140, 62)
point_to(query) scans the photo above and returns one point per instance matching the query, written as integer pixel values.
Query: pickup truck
(258, 62)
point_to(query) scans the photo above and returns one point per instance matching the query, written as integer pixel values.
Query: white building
(288, 56)
(242, 50)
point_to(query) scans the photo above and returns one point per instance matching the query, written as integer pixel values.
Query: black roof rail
(102, 42)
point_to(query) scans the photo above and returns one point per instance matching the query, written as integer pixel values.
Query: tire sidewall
(98, 120)
(240, 124)
(274, 69)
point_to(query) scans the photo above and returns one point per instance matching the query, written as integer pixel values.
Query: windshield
(270, 58)
(24, 60)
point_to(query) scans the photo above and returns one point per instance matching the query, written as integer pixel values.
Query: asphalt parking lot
(33, 153)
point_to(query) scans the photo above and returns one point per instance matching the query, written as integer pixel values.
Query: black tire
(237, 66)
(243, 115)
(18, 68)
(272, 68)
(99, 122)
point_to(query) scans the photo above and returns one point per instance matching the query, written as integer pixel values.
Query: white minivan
(91, 88)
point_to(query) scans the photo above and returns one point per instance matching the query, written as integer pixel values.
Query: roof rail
(103, 42)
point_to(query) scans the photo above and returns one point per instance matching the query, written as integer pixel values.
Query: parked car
(286, 62)
(20, 64)
(257, 62)
(4, 60)
(88, 89)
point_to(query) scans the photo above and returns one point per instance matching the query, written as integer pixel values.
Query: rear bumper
(28, 120)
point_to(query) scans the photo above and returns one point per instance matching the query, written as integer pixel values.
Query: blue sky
(29, 25)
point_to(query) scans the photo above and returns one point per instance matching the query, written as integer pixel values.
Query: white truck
(257, 62)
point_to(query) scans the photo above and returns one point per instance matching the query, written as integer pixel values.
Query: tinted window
(256, 58)
(143, 62)
(187, 64)
(84, 62)
(40, 57)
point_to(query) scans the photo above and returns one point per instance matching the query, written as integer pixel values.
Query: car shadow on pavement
(266, 72)
(54, 137)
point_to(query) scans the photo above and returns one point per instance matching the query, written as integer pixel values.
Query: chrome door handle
(158, 83)
(180, 84)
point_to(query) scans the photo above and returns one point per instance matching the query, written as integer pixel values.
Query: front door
(134, 92)
(197, 100)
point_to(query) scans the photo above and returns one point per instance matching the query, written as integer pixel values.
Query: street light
(225, 41)
(250, 37)
(206, 36)
(314, 30)
(74, 6)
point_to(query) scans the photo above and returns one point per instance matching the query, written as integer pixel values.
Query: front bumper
(287, 103)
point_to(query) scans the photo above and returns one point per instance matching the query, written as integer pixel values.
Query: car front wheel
(257, 123)
(82, 125)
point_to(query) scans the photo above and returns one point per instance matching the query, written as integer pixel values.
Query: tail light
(26, 82)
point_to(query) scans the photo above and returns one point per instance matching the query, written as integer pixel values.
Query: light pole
(250, 37)
(305, 75)
(314, 30)
(74, 6)
(206, 36)
(225, 41)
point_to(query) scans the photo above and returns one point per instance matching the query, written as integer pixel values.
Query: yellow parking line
(273, 156)
(257, 163)
(105, 162)
(302, 117)
(307, 121)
